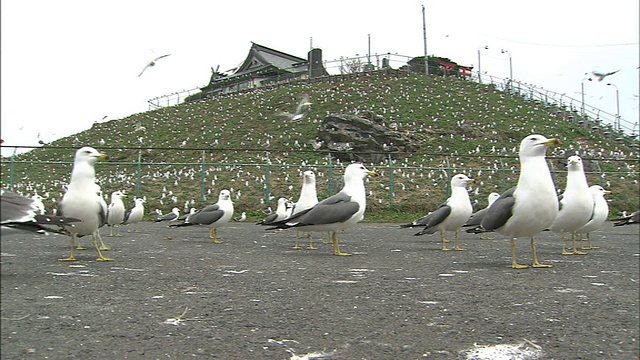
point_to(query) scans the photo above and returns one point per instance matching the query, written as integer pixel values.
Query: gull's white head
(88, 154)
(536, 145)
(461, 180)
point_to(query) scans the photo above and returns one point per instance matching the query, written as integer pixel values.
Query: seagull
(451, 215)
(308, 198)
(115, 212)
(280, 214)
(531, 206)
(213, 216)
(476, 218)
(152, 63)
(172, 216)
(81, 201)
(96, 234)
(37, 202)
(598, 216)
(634, 218)
(299, 113)
(136, 213)
(576, 204)
(20, 214)
(337, 212)
(189, 213)
(241, 218)
(600, 76)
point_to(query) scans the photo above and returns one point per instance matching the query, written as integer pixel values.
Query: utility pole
(424, 33)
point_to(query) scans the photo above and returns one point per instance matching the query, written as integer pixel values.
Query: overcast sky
(66, 64)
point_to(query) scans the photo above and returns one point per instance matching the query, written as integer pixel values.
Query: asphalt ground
(171, 293)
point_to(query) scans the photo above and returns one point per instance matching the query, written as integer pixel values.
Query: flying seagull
(600, 76)
(531, 206)
(299, 114)
(152, 63)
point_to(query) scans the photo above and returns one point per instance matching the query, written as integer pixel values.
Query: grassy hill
(189, 152)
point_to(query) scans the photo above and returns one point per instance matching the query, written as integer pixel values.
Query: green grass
(460, 126)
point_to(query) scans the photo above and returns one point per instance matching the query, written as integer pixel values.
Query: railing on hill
(571, 109)
(257, 181)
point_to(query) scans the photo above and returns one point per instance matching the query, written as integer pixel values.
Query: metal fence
(404, 185)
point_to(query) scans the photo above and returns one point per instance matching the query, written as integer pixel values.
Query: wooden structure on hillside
(263, 66)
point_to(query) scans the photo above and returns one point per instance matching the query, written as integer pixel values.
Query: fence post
(267, 183)
(391, 182)
(203, 173)
(139, 174)
(330, 176)
(448, 172)
(11, 170)
(502, 176)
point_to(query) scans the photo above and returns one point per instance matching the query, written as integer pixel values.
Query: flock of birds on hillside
(527, 209)
(417, 174)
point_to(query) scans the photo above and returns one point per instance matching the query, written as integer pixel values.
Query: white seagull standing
(337, 212)
(136, 213)
(280, 214)
(81, 200)
(96, 234)
(531, 206)
(576, 204)
(476, 217)
(37, 202)
(172, 216)
(241, 218)
(115, 212)
(308, 198)
(451, 215)
(212, 216)
(598, 216)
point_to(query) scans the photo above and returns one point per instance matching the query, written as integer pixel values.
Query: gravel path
(172, 293)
